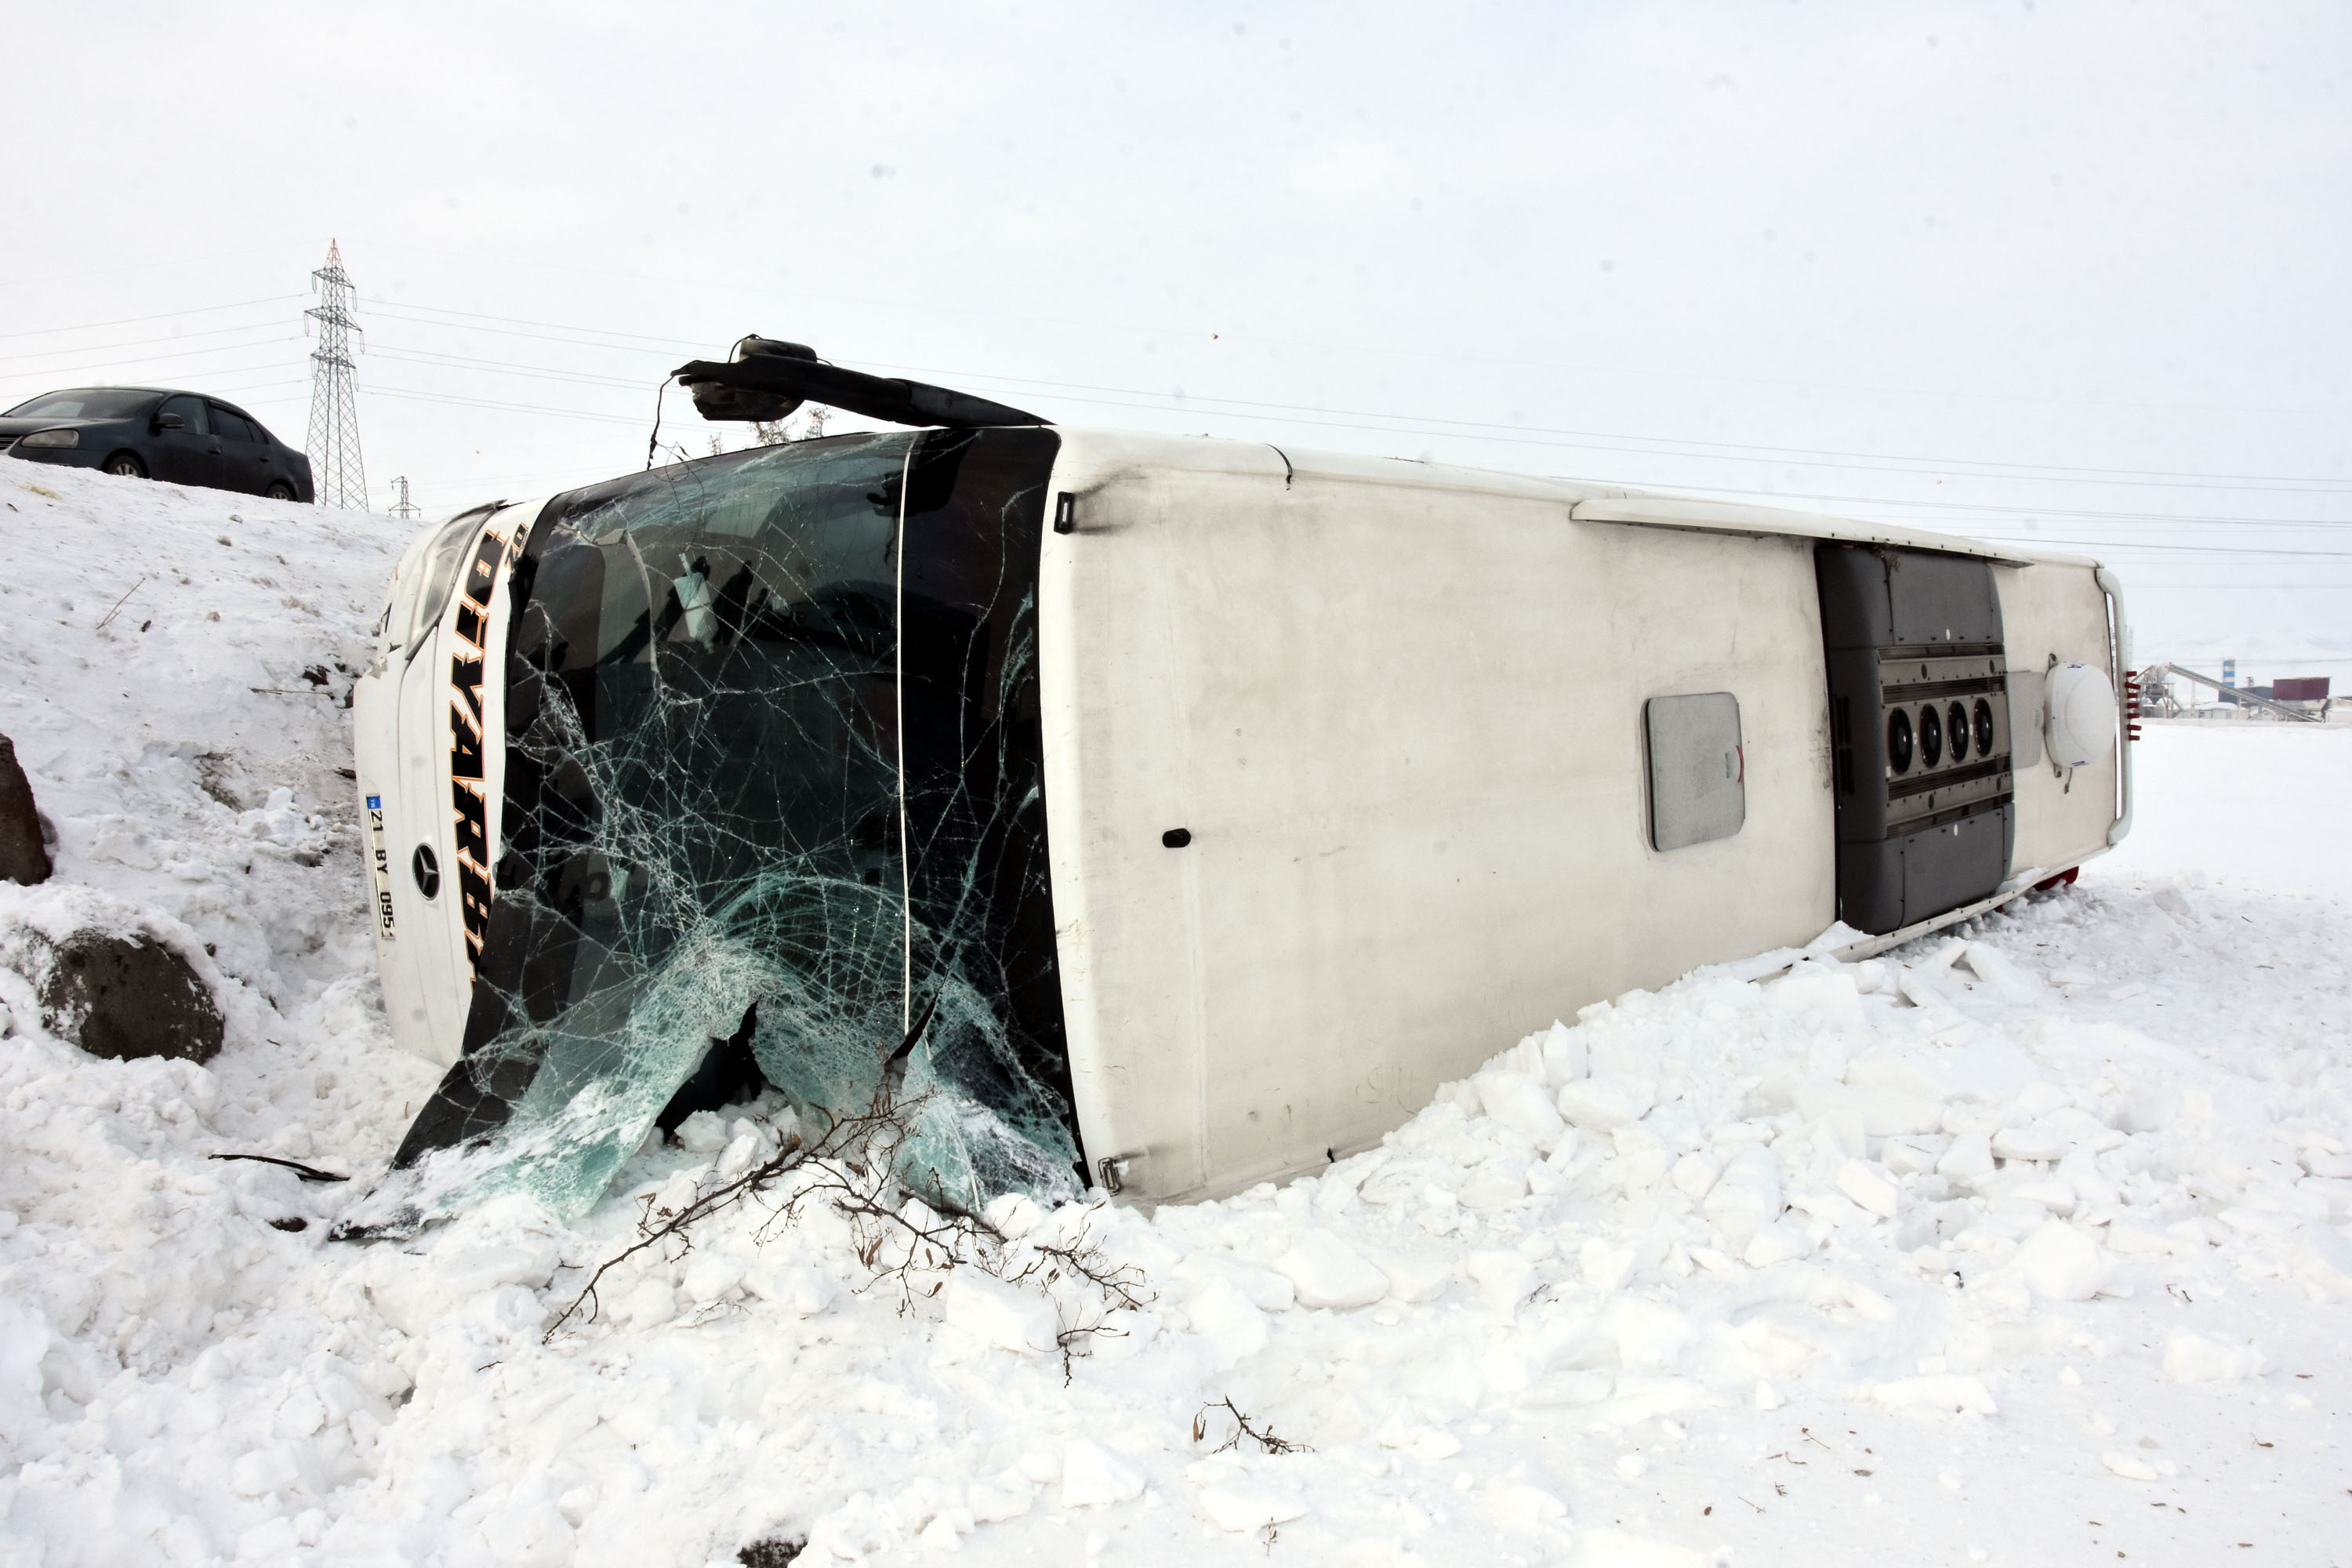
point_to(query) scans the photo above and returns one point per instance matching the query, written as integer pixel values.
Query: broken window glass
(773, 777)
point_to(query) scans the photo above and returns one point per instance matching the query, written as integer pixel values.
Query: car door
(189, 455)
(245, 459)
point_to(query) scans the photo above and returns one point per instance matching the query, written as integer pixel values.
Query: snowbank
(2020, 1242)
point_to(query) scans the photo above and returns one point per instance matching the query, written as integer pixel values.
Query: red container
(2300, 689)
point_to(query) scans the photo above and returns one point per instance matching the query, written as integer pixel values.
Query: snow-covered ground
(2022, 1246)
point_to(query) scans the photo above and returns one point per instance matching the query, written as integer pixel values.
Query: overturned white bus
(1163, 814)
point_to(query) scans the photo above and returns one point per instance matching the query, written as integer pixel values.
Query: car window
(230, 426)
(191, 410)
(84, 403)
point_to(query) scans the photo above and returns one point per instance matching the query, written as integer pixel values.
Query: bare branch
(1267, 1440)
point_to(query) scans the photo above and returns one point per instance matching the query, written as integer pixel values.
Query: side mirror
(170, 422)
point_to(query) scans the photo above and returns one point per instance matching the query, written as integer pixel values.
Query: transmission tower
(336, 470)
(403, 506)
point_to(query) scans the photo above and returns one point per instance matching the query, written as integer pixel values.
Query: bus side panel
(1404, 728)
(1116, 738)
(2054, 609)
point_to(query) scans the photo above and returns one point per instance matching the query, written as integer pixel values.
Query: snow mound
(1928, 1244)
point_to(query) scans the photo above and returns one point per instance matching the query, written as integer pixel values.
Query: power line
(1388, 350)
(142, 343)
(588, 378)
(231, 369)
(164, 316)
(1968, 468)
(70, 371)
(506, 407)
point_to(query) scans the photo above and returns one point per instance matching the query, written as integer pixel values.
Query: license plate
(379, 867)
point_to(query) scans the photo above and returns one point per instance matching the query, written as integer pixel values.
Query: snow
(2023, 1242)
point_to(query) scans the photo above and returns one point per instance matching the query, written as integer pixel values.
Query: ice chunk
(1776, 1243)
(1001, 1314)
(2193, 1358)
(1836, 1106)
(1005, 1496)
(647, 1304)
(2327, 1259)
(1888, 1069)
(1094, 1477)
(1564, 1056)
(1519, 1103)
(2060, 1263)
(1891, 1113)
(1015, 1214)
(2129, 1467)
(1605, 1104)
(1870, 1186)
(704, 1132)
(1746, 1196)
(2039, 1096)
(1968, 1159)
(1605, 1264)
(712, 1277)
(463, 1271)
(2009, 980)
(1328, 1272)
(1914, 1155)
(1415, 1278)
(2036, 1140)
(797, 1288)
(1227, 1322)
(1497, 1185)
(1942, 1391)
(1248, 1504)
(1505, 1279)
(1266, 1288)
(1642, 1157)
(1693, 1175)
(1820, 994)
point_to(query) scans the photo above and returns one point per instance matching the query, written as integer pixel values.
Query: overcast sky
(2054, 271)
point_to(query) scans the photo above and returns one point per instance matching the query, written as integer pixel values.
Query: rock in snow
(24, 856)
(2088, 1197)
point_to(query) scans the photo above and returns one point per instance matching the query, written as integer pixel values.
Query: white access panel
(2054, 613)
(1698, 779)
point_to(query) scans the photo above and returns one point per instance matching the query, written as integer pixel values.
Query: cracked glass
(772, 786)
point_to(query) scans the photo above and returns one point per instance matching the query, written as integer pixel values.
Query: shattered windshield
(772, 789)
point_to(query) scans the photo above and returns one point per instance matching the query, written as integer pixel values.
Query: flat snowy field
(2022, 1246)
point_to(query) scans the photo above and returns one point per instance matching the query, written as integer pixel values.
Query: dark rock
(22, 855)
(129, 996)
(776, 1551)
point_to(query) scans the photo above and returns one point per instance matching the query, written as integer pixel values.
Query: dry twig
(1267, 1440)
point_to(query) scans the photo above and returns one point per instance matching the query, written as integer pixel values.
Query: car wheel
(278, 490)
(126, 466)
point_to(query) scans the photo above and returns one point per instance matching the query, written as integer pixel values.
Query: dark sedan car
(145, 432)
